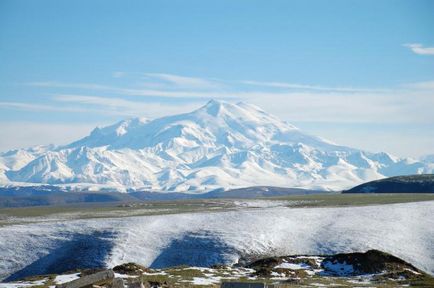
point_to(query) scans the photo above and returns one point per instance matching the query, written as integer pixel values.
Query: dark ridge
(423, 183)
(260, 191)
(53, 195)
(37, 196)
(240, 193)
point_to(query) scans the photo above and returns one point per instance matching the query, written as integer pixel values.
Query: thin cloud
(119, 106)
(206, 94)
(96, 100)
(344, 108)
(55, 84)
(162, 92)
(309, 87)
(293, 102)
(104, 106)
(299, 106)
(39, 107)
(183, 81)
(98, 109)
(419, 49)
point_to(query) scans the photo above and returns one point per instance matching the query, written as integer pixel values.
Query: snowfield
(203, 239)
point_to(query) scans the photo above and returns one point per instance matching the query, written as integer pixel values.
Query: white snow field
(220, 145)
(202, 239)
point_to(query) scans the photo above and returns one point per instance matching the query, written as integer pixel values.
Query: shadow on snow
(202, 250)
(79, 251)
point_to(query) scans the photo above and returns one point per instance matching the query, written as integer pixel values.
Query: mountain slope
(218, 145)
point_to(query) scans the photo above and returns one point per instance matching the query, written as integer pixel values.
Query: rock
(266, 262)
(264, 267)
(136, 284)
(88, 280)
(118, 283)
(90, 271)
(370, 262)
(130, 269)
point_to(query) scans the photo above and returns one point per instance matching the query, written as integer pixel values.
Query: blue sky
(360, 73)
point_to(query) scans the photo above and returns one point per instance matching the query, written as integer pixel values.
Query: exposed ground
(103, 210)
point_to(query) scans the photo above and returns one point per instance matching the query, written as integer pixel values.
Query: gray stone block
(118, 283)
(88, 280)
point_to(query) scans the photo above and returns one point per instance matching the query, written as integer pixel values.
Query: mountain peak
(213, 102)
(240, 111)
(220, 145)
(213, 107)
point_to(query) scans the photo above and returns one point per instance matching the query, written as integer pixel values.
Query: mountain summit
(220, 145)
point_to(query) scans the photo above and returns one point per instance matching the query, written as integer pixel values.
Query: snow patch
(341, 269)
(65, 278)
(293, 266)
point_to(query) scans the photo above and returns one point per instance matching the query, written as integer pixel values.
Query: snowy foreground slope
(219, 145)
(202, 239)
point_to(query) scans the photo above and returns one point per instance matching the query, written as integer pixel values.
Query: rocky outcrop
(370, 262)
(374, 268)
(130, 269)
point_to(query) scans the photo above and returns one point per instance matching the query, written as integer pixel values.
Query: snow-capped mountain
(219, 145)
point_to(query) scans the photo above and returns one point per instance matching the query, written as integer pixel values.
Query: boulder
(88, 280)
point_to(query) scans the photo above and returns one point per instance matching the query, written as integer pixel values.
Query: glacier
(220, 145)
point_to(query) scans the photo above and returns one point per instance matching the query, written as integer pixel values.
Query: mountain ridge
(397, 184)
(219, 145)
